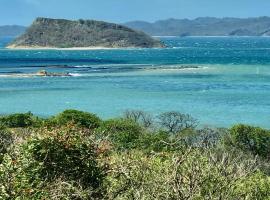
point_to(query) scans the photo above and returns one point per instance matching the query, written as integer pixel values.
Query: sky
(23, 12)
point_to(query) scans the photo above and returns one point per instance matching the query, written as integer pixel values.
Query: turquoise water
(219, 80)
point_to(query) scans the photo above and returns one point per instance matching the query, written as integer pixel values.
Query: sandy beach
(12, 47)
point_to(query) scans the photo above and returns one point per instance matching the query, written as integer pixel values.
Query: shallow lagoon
(219, 80)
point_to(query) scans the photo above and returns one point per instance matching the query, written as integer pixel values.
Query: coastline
(57, 48)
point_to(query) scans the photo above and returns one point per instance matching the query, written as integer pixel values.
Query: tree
(140, 117)
(175, 122)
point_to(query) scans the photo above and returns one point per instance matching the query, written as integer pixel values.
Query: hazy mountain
(205, 26)
(61, 33)
(11, 30)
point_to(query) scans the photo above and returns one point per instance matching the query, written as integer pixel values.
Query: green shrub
(155, 142)
(253, 139)
(192, 174)
(5, 141)
(18, 120)
(48, 157)
(257, 186)
(80, 118)
(122, 132)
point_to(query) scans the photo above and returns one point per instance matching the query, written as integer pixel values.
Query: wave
(75, 74)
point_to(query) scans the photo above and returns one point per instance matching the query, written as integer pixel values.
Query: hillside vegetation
(77, 155)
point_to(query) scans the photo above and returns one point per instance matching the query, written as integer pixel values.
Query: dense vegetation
(62, 33)
(76, 155)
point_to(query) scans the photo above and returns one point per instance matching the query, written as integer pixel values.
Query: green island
(91, 34)
(77, 155)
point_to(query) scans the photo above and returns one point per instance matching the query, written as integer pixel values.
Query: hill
(205, 26)
(61, 33)
(11, 30)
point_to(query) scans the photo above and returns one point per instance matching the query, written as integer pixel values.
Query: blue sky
(23, 12)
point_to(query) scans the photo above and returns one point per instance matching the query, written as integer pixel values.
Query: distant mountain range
(205, 26)
(11, 30)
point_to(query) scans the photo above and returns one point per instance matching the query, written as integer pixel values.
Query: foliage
(253, 139)
(19, 120)
(75, 155)
(122, 132)
(50, 156)
(5, 142)
(191, 174)
(83, 119)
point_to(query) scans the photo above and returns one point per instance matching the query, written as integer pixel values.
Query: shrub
(156, 142)
(189, 175)
(64, 155)
(5, 141)
(122, 132)
(253, 139)
(18, 120)
(80, 118)
(256, 185)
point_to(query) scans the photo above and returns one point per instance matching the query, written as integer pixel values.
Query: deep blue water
(219, 80)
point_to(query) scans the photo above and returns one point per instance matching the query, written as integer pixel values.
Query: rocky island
(61, 33)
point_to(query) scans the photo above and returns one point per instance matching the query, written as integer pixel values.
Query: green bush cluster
(76, 155)
(253, 139)
(83, 119)
(18, 120)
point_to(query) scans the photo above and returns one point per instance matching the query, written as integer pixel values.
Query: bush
(80, 118)
(156, 142)
(192, 174)
(122, 132)
(18, 120)
(49, 157)
(5, 141)
(253, 139)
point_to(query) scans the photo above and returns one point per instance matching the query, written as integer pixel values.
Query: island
(62, 33)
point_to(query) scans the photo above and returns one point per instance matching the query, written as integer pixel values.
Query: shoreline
(57, 48)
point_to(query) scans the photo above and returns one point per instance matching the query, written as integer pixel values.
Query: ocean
(220, 81)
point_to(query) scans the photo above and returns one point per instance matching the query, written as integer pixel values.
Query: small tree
(175, 122)
(140, 117)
